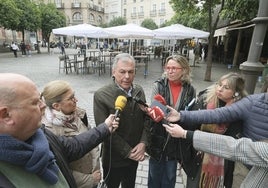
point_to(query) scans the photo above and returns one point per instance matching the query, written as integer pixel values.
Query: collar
(127, 92)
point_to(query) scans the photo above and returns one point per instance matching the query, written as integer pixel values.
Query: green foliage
(195, 13)
(10, 14)
(149, 24)
(205, 14)
(30, 18)
(24, 15)
(104, 25)
(167, 23)
(190, 13)
(198, 21)
(50, 18)
(243, 10)
(117, 21)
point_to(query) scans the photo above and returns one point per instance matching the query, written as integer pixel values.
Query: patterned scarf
(59, 119)
(212, 173)
(34, 155)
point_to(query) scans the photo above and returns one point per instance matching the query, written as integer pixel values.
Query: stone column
(252, 68)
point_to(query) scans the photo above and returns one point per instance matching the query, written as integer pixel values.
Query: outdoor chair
(66, 64)
(97, 65)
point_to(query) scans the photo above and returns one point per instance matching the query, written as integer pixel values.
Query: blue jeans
(162, 174)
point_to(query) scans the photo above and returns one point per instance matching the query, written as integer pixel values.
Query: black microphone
(139, 101)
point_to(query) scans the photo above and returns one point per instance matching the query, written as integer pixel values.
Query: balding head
(12, 78)
(20, 106)
(10, 84)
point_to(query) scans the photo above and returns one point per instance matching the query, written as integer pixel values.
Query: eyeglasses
(223, 86)
(173, 69)
(72, 97)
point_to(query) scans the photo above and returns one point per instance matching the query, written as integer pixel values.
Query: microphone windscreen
(160, 99)
(161, 106)
(120, 102)
(156, 114)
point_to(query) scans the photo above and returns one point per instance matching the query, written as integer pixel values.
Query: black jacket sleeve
(68, 149)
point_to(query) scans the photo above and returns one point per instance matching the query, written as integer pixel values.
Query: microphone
(119, 105)
(161, 103)
(160, 99)
(158, 109)
(139, 101)
(156, 114)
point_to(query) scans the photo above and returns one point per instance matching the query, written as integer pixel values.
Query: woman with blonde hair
(64, 118)
(165, 152)
(229, 89)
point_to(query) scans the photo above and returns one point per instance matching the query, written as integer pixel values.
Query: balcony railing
(162, 12)
(95, 7)
(60, 5)
(133, 15)
(141, 14)
(153, 13)
(76, 5)
(78, 21)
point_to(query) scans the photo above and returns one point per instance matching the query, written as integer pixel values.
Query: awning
(220, 32)
(224, 30)
(242, 27)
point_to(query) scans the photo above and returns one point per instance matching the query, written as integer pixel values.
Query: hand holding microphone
(113, 120)
(112, 123)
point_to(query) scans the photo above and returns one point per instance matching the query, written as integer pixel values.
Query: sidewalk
(42, 68)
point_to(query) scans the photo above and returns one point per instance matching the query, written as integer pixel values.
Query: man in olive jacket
(126, 146)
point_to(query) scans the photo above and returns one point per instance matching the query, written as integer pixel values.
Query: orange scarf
(212, 173)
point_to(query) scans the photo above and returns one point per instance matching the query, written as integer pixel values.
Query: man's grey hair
(124, 57)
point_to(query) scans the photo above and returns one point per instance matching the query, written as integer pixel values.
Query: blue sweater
(252, 110)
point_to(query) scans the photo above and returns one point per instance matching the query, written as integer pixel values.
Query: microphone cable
(102, 184)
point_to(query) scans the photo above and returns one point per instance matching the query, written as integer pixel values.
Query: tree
(242, 10)
(149, 24)
(50, 18)
(10, 14)
(188, 11)
(207, 13)
(117, 21)
(30, 17)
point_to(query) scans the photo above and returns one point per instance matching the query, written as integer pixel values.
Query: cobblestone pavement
(42, 68)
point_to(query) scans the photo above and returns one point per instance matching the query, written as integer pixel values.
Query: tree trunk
(37, 43)
(212, 27)
(237, 48)
(209, 60)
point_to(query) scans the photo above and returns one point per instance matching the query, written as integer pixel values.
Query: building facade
(135, 11)
(81, 11)
(97, 12)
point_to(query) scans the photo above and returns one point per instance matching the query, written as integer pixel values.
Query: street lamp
(252, 68)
